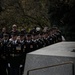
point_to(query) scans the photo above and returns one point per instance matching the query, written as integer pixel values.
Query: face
(28, 37)
(43, 36)
(46, 35)
(14, 27)
(14, 37)
(34, 37)
(21, 37)
(4, 30)
(40, 36)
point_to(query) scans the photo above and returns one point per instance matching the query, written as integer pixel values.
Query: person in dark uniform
(21, 47)
(56, 33)
(28, 44)
(17, 55)
(1, 70)
(50, 38)
(13, 63)
(34, 42)
(4, 31)
(41, 40)
(33, 31)
(4, 53)
(45, 38)
(59, 36)
(23, 31)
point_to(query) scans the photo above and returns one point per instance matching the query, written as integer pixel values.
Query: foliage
(62, 14)
(24, 13)
(30, 13)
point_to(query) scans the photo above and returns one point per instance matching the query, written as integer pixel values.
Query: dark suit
(4, 56)
(29, 46)
(13, 62)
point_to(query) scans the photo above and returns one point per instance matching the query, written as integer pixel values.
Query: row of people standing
(13, 50)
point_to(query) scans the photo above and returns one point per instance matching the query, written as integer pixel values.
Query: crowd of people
(14, 46)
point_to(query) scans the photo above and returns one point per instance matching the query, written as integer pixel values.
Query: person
(41, 39)
(14, 30)
(34, 41)
(4, 53)
(50, 37)
(45, 29)
(45, 38)
(21, 44)
(32, 31)
(13, 60)
(4, 31)
(28, 43)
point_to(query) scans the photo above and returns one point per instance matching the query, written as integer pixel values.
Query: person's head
(28, 37)
(14, 27)
(14, 36)
(51, 32)
(37, 35)
(5, 36)
(38, 29)
(3, 29)
(41, 35)
(23, 31)
(54, 29)
(45, 34)
(45, 29)
(22, 36)
(34, 36)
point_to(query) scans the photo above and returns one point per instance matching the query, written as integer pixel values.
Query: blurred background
(30, 13)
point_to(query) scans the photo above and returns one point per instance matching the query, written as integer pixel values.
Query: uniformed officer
(41, 39)
(34, 42)
(21, 47)
(17, 55)
(45, 38)
(39, 42)
(59, 36)
(4, 53)
(50, 37)
(28, 44)
(13, 62)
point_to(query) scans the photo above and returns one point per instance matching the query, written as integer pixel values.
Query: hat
(32, 31)
(14, 26)
(38, 28)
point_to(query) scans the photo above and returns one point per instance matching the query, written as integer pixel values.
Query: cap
(38, 28)
(14, 26)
